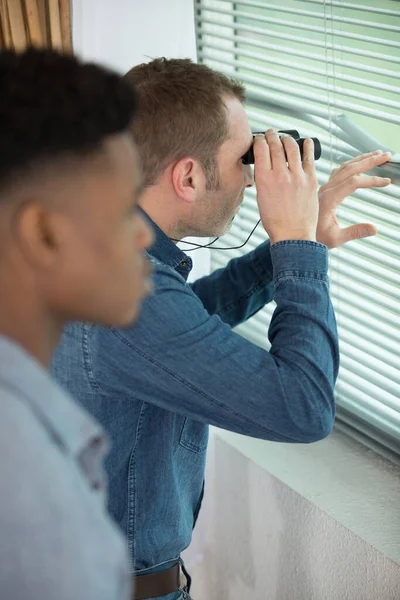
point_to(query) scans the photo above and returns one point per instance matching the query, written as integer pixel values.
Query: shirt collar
(67, 423)
(167, 251)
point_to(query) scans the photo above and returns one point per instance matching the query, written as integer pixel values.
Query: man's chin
(217, 232)
(228, 226)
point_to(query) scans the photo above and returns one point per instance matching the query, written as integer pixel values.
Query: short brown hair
(181, 113)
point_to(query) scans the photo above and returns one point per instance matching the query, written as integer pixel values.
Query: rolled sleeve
(299, 258)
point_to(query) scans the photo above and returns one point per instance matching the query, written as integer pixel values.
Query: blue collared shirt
(158, 385)
(56, 539)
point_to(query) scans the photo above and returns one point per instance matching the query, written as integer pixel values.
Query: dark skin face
(72, 247)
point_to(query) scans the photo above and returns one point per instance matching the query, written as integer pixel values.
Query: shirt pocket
(194, 436)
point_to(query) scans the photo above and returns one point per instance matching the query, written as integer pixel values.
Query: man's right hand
(286, 187)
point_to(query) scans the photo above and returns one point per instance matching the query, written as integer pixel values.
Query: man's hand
(286, 187)
(344, 181)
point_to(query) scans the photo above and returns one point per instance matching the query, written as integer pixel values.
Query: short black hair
(53, 105)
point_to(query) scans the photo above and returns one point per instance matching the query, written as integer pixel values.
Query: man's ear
(188, 179)
(37, 232)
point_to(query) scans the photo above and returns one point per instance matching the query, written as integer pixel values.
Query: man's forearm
(239, 290)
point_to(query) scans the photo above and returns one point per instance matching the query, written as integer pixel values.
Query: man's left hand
(343, 181)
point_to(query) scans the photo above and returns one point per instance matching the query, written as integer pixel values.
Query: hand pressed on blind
(345, 180)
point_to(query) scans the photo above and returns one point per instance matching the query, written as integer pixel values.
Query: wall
(264, 541)
(123, 33)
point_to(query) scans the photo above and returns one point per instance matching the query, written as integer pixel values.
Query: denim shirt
(157, 386)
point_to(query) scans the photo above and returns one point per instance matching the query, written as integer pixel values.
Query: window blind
(329, 69)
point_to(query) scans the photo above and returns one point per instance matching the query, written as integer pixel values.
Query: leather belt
(157, 584)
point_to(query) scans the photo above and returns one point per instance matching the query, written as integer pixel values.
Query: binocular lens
(248, 158)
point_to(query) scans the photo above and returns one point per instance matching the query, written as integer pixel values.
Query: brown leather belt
(157, 584)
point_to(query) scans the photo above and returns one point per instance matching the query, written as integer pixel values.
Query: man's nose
(249, 176)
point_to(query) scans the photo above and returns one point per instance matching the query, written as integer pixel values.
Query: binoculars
(248, 158)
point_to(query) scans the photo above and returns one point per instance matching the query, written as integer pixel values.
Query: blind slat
(372, 273)
(237, 14)
(379, 356)
(381, 86)
(309, 96)
(333, 61)
(364, 250)
(368, 410)
(305, 40)
(383, 305)
(369, 389)
(330, 88)
(348, 306)
(341, 5)
(282, 104)
(361, 7)
(371, 370)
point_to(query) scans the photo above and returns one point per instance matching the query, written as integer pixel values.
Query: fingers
(334, 195)
(276, 149)
(287, 200)
(284, 152)
(364, 181)
(360, 164)
(292, 152)
(368, 162)
(308, 157)
(261, 153)
(357, 159)
(368, 181)
(354, 232)
(379, 159)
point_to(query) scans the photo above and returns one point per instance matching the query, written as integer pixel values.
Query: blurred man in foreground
(71, 247)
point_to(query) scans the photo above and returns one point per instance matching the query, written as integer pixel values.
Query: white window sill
(349, 482)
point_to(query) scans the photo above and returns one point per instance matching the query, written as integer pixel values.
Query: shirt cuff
(301, 259)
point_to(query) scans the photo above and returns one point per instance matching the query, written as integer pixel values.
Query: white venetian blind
(329, 69)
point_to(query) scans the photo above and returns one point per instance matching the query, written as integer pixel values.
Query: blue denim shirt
(155, 387)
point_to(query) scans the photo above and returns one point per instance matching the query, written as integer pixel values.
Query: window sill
(349, 482)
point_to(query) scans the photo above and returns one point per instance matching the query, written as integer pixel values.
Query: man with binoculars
(157, 387)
